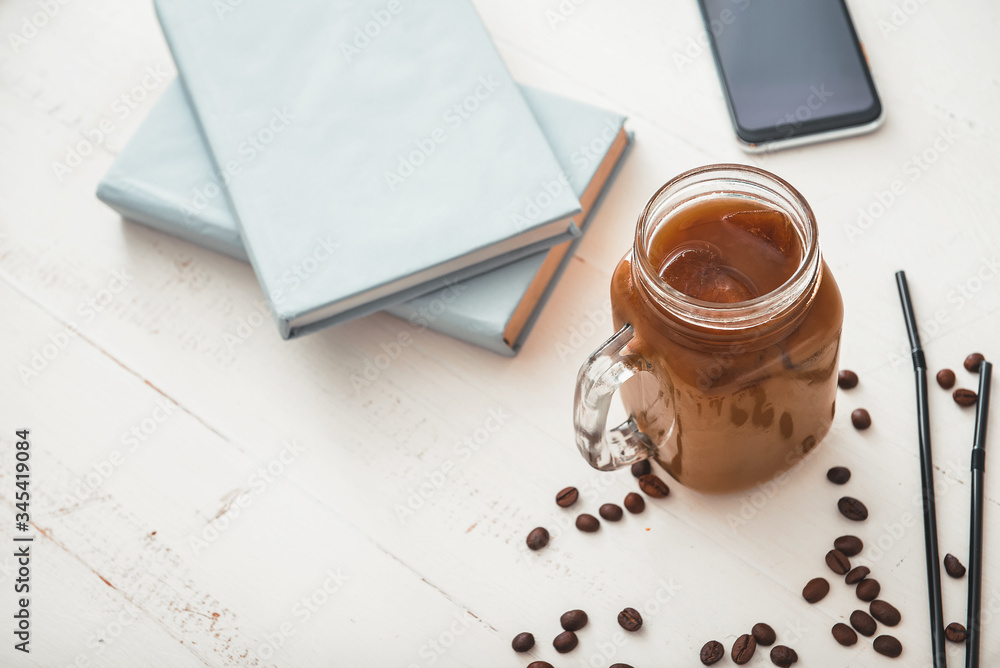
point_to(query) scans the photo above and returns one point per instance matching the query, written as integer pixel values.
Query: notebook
(159, 179)
(361, 178)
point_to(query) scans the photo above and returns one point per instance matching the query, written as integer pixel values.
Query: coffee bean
(838, 562)
(565, 642)
(856, 575)
(972, 362)
(946, 378)
(743, 649)
(844, 634)
(567, 497)
(611, 512)
(539, 664)
(587, 523)
(630, 619)
(574, 620)
(538, 538)
(863, 623)
(888, 646)
(852, 509)
(763, 634)
(953, 566)
(634, 503)
(964, 398)
(712, 652)
(783, 657)
(523, 642)
(653, 486)
(737, 415)
(861, 419)
(868, 589)
(849, 545)
(641, 468)
(885, 612)
(786, 425)
(815, 590)
(838, 475)
(955, 632)
(620, 665)
(847, 380)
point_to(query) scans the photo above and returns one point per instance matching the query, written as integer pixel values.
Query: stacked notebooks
(367, 156)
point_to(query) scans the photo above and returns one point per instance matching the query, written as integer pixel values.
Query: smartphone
(793, 71)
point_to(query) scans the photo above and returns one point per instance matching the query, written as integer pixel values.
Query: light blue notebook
(362, 178)
(164, 178)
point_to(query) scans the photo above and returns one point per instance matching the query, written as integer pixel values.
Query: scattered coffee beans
(763, 634)
(523, 642)
(653, 486)
(630, 620)
(852, 509)
(712, 652)
(964, 398)
(642, 468)
(539, 664)
(972, 362)
(567, 497)
(844, 634)
(953, 566)
(743, 649)
(588, 523)
(838, 475)
(885, 612)
(888, 646)
(574, 620)
(955, 632)
(863, 623)
(565, 642)
(847, 380)
(849, 545)
(946, 378)
(538, 538)
(856, 575)
(611, 512)
(783, 657)
(815, 590)
(861, 419)
(838, 562)
(634, 503)
(868, 590)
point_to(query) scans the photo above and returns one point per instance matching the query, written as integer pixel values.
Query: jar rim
(769, 188)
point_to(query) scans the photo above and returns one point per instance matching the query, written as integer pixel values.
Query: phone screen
(790, 67)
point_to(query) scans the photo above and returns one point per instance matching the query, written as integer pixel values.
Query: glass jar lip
(736, 314)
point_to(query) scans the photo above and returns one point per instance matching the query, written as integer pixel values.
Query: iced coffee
(729, 328)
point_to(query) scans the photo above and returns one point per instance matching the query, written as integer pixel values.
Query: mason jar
(728, 336)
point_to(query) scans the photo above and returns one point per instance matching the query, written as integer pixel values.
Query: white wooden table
(209, 495)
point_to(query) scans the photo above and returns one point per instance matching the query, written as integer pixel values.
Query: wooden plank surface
(207, 494)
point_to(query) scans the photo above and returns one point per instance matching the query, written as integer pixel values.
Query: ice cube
(724, 285)
(697, 270)
(768, 225)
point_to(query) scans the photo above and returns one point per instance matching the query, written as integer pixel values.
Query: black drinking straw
(976, 528)
(926, 478)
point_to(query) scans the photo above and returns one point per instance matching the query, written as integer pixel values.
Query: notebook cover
(354, 176)
(164, 178)
(580, 135)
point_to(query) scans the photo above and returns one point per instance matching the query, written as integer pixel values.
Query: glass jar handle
(599, 378)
